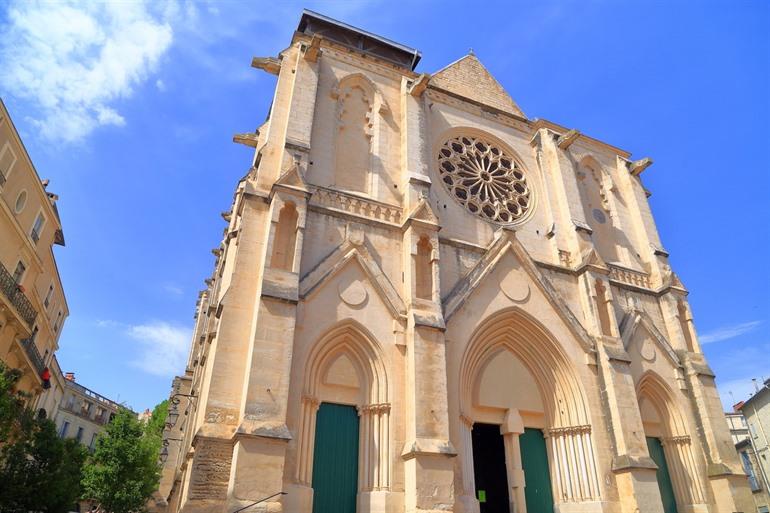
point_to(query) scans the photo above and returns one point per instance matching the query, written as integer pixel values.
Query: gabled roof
(468, 78)
(503, 243)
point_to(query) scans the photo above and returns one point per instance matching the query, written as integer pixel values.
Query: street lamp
(173, 414)
(164, 450)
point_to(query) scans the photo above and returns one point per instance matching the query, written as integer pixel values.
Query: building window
(484, 178)
(21, 201)
(18, 273)
(749, 469)
(423, 270)
(285, 238)
(92, 445)
(64, 428)
(37, 227)
(79, 436)
(7, 160)
(48, 295)
(58, 321)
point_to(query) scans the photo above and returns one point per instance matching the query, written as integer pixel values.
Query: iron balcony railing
(11, 290)
(32, 353)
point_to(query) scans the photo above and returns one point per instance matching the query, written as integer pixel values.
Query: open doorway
(489, 469)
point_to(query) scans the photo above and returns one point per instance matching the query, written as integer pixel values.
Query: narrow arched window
(424, 269)
(285, 238)
(353, 139)
(684, 322)
(603, 306)
(593, 196)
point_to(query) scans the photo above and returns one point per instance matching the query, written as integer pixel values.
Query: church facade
(425, 301)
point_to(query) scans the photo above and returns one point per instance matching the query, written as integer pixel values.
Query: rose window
(484, 179)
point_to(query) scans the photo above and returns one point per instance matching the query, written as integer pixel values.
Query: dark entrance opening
(489, 468)
(335, 459)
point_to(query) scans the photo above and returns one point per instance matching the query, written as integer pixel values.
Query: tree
(124, 469)
(38, 470)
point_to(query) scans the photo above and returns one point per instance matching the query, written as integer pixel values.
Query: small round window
(21, 201)
(483, 178)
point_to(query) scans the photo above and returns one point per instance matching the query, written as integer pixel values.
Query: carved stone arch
(351, 340)
(515, 330)
(374, 94)
(652, 387)
(572, 463)
(688, 483)
(357, 134)
(602, 177)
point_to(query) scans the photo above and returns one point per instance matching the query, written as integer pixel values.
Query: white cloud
(728, 332)
(164, 347)
(72, 61)
(161, 85)
(172, 289)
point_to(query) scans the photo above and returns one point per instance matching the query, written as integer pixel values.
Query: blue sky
(129, 109)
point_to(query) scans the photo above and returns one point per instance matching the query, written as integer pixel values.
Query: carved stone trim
(355, 205)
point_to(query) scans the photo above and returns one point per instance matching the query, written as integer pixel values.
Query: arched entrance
(344, 433)
(670, 446)
(514, 376)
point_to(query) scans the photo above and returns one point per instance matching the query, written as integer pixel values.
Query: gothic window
(603, 306)
(485, 179)
(285, 238)
(353, 135)
(423, 269)
(593, 195)
(685, 325)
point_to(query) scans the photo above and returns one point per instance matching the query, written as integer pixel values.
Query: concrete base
(467, 504)
(579, 507)
(731, 494)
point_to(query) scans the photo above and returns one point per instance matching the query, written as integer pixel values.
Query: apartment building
(33, 307)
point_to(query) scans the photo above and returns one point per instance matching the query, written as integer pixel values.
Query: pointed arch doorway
(515, 377)
(343, 448)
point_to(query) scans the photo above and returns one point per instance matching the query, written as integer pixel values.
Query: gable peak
(469, 78)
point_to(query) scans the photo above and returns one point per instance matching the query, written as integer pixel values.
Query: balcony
(10, 289)
(32, 353)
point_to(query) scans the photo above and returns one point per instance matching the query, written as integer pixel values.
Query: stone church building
(427, 301)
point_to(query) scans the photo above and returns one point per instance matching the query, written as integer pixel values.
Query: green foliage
(38, 470)
(124, 470)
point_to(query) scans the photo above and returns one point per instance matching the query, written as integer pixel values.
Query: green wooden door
(537, 479)
(335, 459)
(664, 478)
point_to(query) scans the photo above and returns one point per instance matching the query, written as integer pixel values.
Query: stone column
(222, 401)
(511, 429)
(468, 494)
(725, 474)
(684, 474)
(374, 458)
(427, 454)
(573, 467)
(631, 463)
